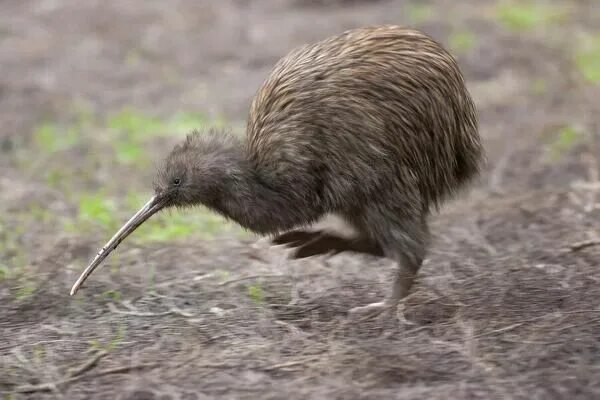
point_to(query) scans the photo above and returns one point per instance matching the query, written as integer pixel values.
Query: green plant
(224, 276)
(185, 122)
(255, 293)
(566, 139)
(462, 42)
(98, 208)
(525, 15)
(54, 178)
(114, 343)
(418, 13)
(112, 295)
(135, 124)
(25, 291)
(4, 272)
(39, 353)
(130, 153)
(51, 138)
(588, 60)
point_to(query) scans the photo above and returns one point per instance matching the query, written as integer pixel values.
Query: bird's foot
(373, 310)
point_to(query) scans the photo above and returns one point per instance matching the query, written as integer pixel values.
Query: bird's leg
(405, 274)
(404, 239)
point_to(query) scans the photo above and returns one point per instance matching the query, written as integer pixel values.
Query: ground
(93, 94)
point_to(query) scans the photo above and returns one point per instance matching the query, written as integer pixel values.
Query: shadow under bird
(374, 127)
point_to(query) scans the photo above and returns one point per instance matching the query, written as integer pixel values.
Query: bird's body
(374, 125)
(356, 115)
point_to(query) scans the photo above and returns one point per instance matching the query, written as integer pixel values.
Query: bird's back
(369, 109)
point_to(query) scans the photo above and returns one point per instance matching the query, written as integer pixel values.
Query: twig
(121, 370)
(52, 386)
(583, 245)
(516, 325)
(244, 278)
(89, 364)
(293, 329)
(503, 329)
(285, 365)
(114, 309)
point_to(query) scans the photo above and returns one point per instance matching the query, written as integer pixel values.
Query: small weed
(133, 128)
(39, 353)
(54, 178)
(50, 138)
(224, 276)
(130, 153)
(25, 291)
(112, 295)
(134, 124)
(567, 138)
(116, 342)
(40, 214)
(588, 60)
(96, 345)
(98, 209)
(462, 42)
(526, 15)
(113, 344)
(255, 293)
(419, 13)
(4, 272)
(185, 122)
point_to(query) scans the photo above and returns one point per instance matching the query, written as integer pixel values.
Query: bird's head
(197, 171)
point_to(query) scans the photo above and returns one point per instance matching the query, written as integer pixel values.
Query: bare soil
(508, 302)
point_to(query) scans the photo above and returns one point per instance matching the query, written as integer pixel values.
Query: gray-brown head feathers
(199, 170)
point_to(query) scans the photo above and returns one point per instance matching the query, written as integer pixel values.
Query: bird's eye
(176, 181)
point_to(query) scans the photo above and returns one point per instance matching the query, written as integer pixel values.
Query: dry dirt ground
(93, 92)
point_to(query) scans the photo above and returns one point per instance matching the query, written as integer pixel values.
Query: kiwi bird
(374, 126)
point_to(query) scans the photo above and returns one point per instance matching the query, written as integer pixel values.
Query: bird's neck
(248, 198)
(253, 204)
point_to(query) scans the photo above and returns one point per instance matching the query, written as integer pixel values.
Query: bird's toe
(371, 310)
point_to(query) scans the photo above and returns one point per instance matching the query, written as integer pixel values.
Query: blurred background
(93, 94)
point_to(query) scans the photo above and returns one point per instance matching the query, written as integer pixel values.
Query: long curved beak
(150, 208)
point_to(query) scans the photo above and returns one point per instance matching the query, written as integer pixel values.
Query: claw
(371, 310)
